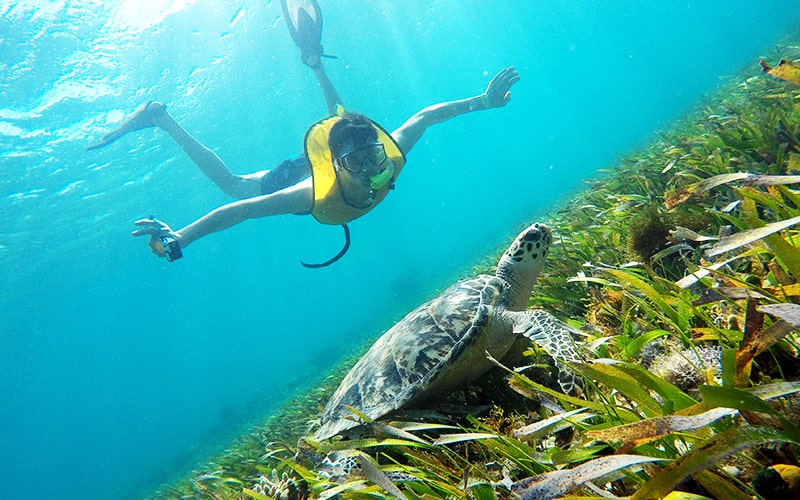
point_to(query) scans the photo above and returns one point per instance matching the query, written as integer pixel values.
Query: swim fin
(304, 20)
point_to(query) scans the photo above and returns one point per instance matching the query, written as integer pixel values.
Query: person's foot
(312, 59)
(141, 118)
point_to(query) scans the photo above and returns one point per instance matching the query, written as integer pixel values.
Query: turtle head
(523, 261)
(529, 248)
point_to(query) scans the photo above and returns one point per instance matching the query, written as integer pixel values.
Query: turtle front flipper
(555, 337)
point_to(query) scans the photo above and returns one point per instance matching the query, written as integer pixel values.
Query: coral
(689, 368)
(281, 487)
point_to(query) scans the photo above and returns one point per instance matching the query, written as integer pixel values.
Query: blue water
(118, 370)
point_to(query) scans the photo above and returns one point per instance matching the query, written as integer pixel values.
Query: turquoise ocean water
(119, 371)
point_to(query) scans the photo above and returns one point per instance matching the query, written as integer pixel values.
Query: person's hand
(498, 92)
(158, 232)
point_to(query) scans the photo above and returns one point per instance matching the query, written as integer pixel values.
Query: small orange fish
(785, 70)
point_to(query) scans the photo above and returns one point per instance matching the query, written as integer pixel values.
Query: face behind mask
(380, 180)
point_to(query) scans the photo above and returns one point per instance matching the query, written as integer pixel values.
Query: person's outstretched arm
(497, 95)
(297, 199)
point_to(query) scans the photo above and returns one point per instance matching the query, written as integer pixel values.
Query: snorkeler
(349, 164)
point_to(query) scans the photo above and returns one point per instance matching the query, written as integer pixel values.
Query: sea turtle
(444, 343)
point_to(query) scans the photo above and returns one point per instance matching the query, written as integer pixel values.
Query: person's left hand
(156, 230)
(498, 92)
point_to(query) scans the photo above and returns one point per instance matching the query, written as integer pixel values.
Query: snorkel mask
(367, 157)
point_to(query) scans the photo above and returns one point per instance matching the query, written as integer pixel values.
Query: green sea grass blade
(768, 200)
(482, 491)
(427, 488)
(315, 481)
(545, 426)
(729, 367)
(674, 398)
(633, 347)
(371, 471)
(653, 295)
(705, 455)
(720, 487)
(786, 253)
(578, 454)
(651, 429)
(254, 494)
(792, 196)
(746, 237)
(531, 389)
(461, 437)
(728, 397)
(434, 471)
(391, 431)
(764, 392)
(522, 455)
(522, 381)
(751, 399)
(612, 376)
(703, 272)
(341, 489)
(557, 483)
(787, 312)
(419, 426)
(687, 192)
(589, 279)
(367, 443)
(358, 413)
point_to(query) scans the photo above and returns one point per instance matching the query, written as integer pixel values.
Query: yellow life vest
(329, 204)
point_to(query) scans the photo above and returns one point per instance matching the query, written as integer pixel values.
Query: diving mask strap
(335, 257)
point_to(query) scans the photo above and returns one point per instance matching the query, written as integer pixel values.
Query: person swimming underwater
(348, 166)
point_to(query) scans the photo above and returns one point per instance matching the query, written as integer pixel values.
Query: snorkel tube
(377, 181)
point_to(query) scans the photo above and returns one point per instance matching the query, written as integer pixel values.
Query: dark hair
(352, 128)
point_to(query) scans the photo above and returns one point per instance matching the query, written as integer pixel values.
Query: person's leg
(304, 21)
(154, 114)
(328, 90)
(235, 186)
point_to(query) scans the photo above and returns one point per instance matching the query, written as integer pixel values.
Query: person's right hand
(498, 93)
(156, 230)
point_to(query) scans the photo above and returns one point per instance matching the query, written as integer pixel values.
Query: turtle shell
(412, 360)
